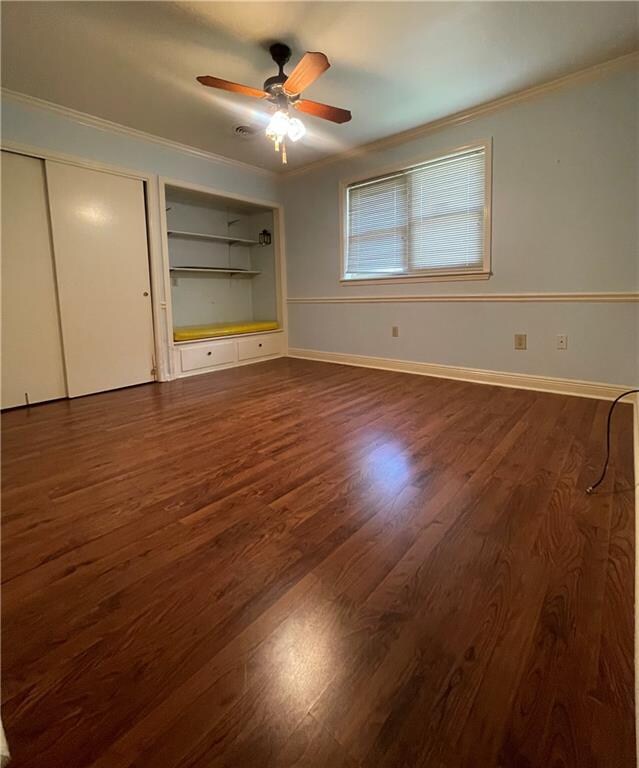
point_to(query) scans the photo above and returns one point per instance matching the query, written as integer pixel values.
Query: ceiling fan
(284, 92)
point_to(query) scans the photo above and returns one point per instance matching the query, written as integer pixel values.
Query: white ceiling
(396, 65)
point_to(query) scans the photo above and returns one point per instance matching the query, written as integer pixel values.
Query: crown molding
(576, 387)
(627, 61)
(592, 297)
(83, 118)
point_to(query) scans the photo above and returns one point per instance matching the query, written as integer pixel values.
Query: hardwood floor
(303, 564)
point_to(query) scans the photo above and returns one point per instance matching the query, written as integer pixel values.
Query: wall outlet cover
(521, 341)
(395, 331)
(562, 341)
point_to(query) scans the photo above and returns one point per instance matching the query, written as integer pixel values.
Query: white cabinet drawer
(259, 346)
(207, 355)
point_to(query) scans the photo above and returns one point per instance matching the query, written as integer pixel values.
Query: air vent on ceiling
(245, 131)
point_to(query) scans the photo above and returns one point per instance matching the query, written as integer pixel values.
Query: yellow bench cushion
(195, 332)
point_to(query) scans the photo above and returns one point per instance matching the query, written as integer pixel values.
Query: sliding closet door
(99, 235)
(32, 364)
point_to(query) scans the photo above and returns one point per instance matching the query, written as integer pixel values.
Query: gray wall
(565, 219)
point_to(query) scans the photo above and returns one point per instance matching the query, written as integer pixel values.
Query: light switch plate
(562, 341)
(521, 341)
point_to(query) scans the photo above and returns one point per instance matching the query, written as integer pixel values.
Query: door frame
(162, 332)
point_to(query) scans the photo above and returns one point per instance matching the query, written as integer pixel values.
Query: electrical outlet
(520, 341)
(562, 341)
(395, 331)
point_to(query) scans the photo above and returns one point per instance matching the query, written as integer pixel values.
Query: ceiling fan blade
(227, 85)
(311, 66)
(325, 111)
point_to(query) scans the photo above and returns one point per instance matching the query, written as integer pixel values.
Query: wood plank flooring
(303, 564)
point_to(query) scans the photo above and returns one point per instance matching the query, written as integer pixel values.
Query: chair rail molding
(592, 297)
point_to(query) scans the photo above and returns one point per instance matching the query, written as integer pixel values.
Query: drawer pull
(259, 345)
(209, 353)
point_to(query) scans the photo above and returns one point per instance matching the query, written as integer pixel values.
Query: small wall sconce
(265, 237)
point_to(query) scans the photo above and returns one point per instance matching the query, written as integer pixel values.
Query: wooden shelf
(214, 238)
(218, 270)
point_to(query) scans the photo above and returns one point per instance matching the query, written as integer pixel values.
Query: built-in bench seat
(215, 330)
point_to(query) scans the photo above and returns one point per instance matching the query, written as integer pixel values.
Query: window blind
(378, 224)
(427, 218)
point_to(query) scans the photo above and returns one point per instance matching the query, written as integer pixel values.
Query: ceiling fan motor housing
(280, 53)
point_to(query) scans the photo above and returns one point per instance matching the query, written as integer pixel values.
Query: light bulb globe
(296, 129)
(278, 126)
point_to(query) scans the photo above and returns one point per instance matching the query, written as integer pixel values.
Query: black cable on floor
(592, 487)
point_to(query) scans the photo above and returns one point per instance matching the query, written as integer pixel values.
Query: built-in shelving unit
(222, 276)
(221, 270)
(213, 238)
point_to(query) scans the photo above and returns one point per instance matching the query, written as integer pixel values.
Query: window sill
(432, 278)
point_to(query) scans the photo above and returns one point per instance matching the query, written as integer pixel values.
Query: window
(428, 221)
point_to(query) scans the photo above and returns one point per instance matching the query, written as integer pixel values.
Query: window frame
(432, 275)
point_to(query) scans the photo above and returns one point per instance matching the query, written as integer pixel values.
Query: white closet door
(32, 363)
(99, 235)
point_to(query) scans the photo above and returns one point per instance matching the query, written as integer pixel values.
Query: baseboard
(574, 387)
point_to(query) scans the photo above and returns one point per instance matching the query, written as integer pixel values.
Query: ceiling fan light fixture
(278, 126)
(281, 127)
(283, 91)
